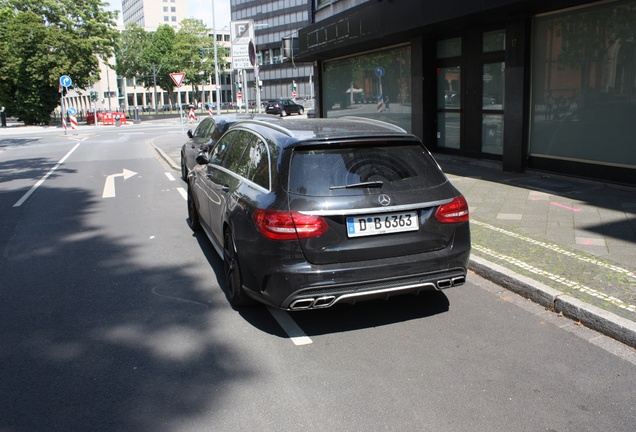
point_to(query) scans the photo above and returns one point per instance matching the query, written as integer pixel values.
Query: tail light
(454, 212)
(283, 225)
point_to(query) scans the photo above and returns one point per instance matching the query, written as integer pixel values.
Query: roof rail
(375, 122)
(270, 125)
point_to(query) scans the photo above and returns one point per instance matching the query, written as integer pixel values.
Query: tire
(283, 113)
(301, 111)
(232, 270)
(193, 213)
(184, 169)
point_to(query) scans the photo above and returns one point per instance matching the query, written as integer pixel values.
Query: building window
(375, 85)
(449, 48)
(584, 85)
(494, 41)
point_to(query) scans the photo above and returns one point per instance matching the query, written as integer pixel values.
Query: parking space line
(295, 333)
(183, 193)
(170, 176)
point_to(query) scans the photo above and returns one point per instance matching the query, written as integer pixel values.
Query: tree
(41, 40)
(132, 41)
(158, 58)
(191, 39)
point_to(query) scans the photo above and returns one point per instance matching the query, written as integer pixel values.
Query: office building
(275, 21)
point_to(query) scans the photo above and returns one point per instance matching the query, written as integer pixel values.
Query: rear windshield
(361, 169)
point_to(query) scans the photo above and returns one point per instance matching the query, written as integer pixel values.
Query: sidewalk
(565, 243)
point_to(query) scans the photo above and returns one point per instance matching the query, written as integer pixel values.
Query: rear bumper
(298, 286)
(367, 290)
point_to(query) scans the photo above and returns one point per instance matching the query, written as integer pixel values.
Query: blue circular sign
(65, 80)
(71, 111)
(379, 71)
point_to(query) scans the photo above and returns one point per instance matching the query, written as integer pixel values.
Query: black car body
(209, 130)
(307, 213)
(283, 107)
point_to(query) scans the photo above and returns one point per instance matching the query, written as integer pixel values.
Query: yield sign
(177, 77)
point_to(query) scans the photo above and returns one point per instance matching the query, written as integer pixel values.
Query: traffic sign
(239, 95)
(71, 111)
(177, 77)
(379, 71)
(293, 94)
(65, 80)
(242, 34)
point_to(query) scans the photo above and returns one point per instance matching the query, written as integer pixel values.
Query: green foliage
(143, 55)
(43, 40)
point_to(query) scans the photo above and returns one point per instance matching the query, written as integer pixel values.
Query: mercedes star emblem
(384, 199)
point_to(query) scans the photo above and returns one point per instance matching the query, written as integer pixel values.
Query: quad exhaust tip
(451, 282)
(313, 303)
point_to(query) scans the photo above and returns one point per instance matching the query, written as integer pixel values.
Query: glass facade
(375, 85)
(584, 85)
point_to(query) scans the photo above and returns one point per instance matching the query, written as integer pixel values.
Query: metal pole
(108, 85)
(154, 78)
(216, 66)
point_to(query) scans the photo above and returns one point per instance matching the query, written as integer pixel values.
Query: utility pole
(216, 66)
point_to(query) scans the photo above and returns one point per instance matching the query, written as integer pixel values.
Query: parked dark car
(307, 213)
(206, 133)
(283, 107)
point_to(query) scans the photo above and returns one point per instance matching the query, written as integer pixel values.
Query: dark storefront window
(494, 41)
(449, 92)
(584, 85)
(449, 107)
(492, 108)
(375, 85)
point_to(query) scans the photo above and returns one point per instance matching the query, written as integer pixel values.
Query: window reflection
(376, 85)
(584, 84)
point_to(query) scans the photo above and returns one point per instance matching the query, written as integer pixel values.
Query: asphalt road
(113, 320)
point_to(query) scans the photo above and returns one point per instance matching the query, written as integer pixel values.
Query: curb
(602, 321)
(167, 158)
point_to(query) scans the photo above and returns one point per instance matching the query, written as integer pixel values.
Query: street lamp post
(216, 65)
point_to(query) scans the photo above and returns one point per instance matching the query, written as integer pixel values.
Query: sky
(200, 9)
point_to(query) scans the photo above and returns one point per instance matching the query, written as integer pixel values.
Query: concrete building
(542, 84)
(150, 14)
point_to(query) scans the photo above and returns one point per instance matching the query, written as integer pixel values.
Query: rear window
(362, 169)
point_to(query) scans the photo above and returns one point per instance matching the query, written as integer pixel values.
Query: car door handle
(225, 188)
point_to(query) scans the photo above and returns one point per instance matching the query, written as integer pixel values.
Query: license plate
(359, 226)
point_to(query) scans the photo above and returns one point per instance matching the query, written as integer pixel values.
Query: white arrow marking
(109, 186)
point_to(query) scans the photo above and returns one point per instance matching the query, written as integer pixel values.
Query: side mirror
(190, 133)
(203, 158)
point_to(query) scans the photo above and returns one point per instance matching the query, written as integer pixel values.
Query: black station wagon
(308, 213)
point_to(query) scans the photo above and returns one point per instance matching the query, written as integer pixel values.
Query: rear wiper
(369, 184)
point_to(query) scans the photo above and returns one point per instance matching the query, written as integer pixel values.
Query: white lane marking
(109, 184)
(557, 249)
(289, 326)
(170, 176)
(295, 333)
(560, 279)
(39, 183)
